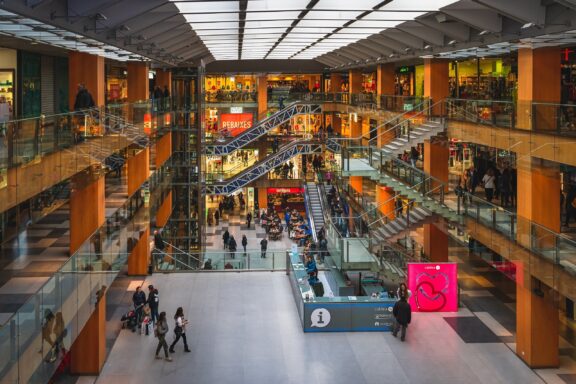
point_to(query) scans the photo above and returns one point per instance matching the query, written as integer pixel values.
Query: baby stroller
(130, 320)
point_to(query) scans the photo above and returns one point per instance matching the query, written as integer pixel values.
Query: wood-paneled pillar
(538, 80)
(355, 126)
(537, 321)
(436, 85)
(356, 183)
(138, 81)
(164, 78)
(139, 257)
(87, 208)
(138, 170)
(86, 69)
(262, 83)
(385, 84)
(164, 211)
(436, 154)
(335, 83)
(88, 353)
(385, 201)
(435, 244)
(355, 81)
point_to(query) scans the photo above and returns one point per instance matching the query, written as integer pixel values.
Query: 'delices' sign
(235, 123)
(434, 287)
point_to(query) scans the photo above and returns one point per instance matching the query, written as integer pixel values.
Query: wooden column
(164, 211)
(385, 79)
(88, 353)
(139, 257)
(537, 319)
(435, 244)
(262, 96)
(436, 154)
(164, 78)
(436, 85)
(138, 170)
(538, 80)
(355, 81)
(163, 149)
(356, 127)
(385, 201)
(86, 69)
(262, 198)
(335, 83)
(87, 209)
(137, 81)
(356, 183)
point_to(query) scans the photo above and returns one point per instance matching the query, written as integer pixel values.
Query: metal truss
(261, 168)
(333, 146)
(263, 127)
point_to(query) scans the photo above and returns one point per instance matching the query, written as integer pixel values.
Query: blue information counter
(336, 314)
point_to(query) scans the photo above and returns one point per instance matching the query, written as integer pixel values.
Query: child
(146, 320)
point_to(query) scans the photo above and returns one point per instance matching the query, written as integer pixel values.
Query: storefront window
(31, 96)
(484, 78)
(116, 84)
(405, 81)
(369, 82)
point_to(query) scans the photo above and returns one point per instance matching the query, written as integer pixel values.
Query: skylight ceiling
(294, 29)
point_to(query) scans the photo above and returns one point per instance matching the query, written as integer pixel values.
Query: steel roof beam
(427, 34)
(404, 38)
(453, 29)
(523, 11)
(475, 15)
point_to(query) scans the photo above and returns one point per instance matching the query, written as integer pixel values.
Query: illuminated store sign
(434, 287)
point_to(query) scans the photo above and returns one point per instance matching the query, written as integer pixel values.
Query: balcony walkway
(29, 260)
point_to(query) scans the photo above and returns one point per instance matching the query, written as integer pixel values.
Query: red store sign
(235, 123)
(285, 190)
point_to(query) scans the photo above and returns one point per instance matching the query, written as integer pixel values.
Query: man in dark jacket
(226, 238)
(232, 246)
(83, 99)
(403, 315)
(139, 299)
(263, 247)
(153, 302)
(248, 219)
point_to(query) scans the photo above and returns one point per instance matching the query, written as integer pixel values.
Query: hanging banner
(234, 124)
(434, 287)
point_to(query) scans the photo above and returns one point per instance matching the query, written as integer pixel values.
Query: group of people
(271, 223)
(298, 229)
(337, 211)
(148, 315)
(412, 156)
(497, 183)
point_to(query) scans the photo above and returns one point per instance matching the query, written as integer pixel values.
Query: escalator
(314, 208)
(260, 168)
(262, 128)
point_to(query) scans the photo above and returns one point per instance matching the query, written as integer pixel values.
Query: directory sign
(434, 287)
(348, 317)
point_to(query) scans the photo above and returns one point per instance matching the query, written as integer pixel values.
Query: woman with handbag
(160, 331)
(180, 330)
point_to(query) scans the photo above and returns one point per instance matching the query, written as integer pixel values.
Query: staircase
(413, 137)
(262, 128)
(257, 170)
(392, 229)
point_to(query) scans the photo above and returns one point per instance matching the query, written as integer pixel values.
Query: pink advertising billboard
(434, 287)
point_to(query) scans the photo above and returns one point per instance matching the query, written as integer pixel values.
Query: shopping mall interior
(263, 191)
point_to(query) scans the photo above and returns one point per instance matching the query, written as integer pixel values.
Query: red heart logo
(428, 299)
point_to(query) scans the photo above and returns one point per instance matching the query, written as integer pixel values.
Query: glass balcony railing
(236, 97)
(68, 297)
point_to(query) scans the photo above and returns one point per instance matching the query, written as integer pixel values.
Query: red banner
(234, 124)
(285, 190)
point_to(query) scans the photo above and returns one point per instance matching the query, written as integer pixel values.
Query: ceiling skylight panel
(212, 26)
(333, 15)
(207, 6)
(416, 5)
(344, 5)
(321, 23)
(282, 15)
(210, 17)
(391, 15)
(269, 24)
(376, 24)
(276, 5)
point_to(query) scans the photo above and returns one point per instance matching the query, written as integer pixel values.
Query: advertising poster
(114, 91)
(434, 287)
(233, 124)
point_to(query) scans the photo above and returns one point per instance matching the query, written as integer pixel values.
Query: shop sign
(406, 69)
(285, 190)
(114, 91)
(236, 123)
(236, 109)
(408, 107)
(434, 287)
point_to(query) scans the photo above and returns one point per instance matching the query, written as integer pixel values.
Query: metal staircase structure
(263, 127)
(259, 169)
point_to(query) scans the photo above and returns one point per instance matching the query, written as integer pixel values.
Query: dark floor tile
(10, 308)
(16, 298)
(31, 251)
(54, 219)
(503, 297)
(58, 232)
(469, 284)
(568, 378)
(260, 235)
(472, 330)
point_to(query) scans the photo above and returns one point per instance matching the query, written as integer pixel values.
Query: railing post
(512, 226)
(288, 263)
(458, 201)
(494, 218)
(13, 340)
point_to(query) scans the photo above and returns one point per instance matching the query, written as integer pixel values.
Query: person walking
(153, 302)
(83, 99)
(138, 299)
(414, 156)
(160, 331)
(489, 182)
(403, 291)
(180, 330)
(232, 246)
(263, 247)
(403, 315)
(217, 217)
(248, 219)
(226, 238)
(244, 243)
(399, 206)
